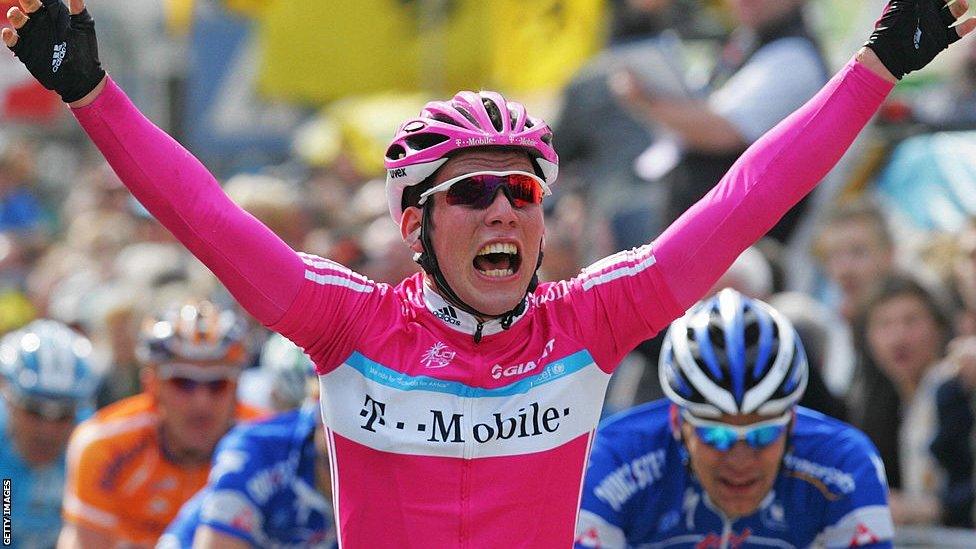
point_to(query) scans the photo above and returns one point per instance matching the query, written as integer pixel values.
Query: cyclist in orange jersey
(132, 465)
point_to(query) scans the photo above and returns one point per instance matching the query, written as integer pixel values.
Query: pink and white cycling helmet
(470, 119)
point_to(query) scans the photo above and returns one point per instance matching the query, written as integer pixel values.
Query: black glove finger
(946, 13)
(38, 25)
(944, 19)
(60, 18)
(82, 20)
(83, 34)
(934, 19)
(40, 6)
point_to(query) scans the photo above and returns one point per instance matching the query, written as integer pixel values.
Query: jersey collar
(459, 320)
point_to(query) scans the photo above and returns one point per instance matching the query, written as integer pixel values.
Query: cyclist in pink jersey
(460, 404)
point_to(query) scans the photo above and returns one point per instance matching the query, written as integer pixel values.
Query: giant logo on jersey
(499, 371)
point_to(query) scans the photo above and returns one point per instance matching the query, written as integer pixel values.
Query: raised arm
(262, 272)
(769, 178)
(788, 162)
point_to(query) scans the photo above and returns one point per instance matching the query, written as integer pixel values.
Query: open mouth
(498, 260)
(737, 485)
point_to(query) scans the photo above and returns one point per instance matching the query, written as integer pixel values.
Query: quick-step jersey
(262, 488)
(640, 492)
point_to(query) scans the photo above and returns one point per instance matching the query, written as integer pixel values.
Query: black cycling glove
(911, 33)
(60, 50)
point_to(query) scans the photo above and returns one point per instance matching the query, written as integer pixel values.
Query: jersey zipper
(726, 532)
(477, 332)
(466, 464)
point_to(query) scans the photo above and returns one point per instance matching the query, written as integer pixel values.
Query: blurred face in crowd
(195, 412)
(736, 480)
(757, 14)
(16, 166)
(462, 234)
(39, 433)
(904, 338)
(855, 257)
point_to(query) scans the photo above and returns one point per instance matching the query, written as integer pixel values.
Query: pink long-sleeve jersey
(436, 440)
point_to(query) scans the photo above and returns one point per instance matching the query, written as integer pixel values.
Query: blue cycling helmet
(731, 354)
(48, 360)
(289, 368)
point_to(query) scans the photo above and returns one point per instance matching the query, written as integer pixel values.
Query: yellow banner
(319, 51)
(539, 44)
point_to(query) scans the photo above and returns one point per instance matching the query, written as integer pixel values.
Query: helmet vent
(464, 112)
(751, 331)
(547, 139)
(494, 113)
(716, 333)
(396, 152)
(446, 119)
(423, 141)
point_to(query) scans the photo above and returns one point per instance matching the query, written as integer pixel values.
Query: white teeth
(499, 272)
(499, 248)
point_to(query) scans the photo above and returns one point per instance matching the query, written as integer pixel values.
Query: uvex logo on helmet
(398, 172)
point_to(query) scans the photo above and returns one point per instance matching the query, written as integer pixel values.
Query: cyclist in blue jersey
(729, 459)
(269, 485)
(46, 384)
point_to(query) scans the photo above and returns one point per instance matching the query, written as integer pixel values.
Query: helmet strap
(427, 260)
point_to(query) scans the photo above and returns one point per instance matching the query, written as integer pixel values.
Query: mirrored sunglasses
(478, 189)
(723, 436)
(189, 385)
(189, 377)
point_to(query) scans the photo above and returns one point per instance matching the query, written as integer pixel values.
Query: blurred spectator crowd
(884, 301)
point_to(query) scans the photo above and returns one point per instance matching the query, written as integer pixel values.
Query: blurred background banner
(931, 178)
(317, 52)
(540, 44)
(226, 123)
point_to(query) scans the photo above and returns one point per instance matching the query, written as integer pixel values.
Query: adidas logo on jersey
(448, 314)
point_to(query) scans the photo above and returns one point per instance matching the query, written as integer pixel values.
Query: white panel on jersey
(419, 415)
(862, 526)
